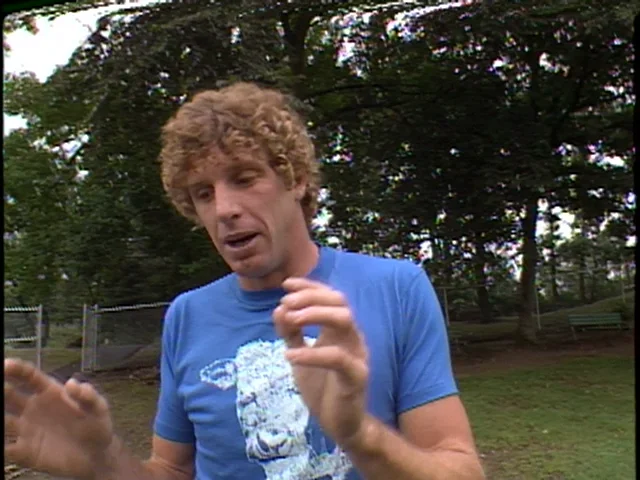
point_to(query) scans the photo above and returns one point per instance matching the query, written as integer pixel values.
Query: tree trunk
(627, 273)
(481, 281)
(296, 28)
(527, 332)
(553, 259)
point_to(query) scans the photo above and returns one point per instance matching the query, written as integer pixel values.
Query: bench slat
(596, 320)
(599, 321)
(610, 318)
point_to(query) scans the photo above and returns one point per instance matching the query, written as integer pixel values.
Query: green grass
(62, 335)
(134, 405)
(570, 421)
(573, 420)
(479, 330)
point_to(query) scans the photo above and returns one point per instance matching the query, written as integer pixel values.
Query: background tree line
(455, 130)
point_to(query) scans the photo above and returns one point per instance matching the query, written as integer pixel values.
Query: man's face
(247, 211)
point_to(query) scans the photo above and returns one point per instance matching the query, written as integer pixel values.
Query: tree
(453, 128)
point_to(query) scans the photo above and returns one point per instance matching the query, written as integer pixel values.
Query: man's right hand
(64, 430)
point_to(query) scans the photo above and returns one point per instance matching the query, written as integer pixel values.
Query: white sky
(50, 47)
(56, 41)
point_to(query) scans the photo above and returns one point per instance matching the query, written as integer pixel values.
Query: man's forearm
(384, 454)
(121, 464)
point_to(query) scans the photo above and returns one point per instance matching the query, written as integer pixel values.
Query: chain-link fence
(129, 336)
(122, 336)
(24, 333)
(593, 289)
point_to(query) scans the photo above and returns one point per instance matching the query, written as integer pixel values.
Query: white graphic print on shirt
(272, 415)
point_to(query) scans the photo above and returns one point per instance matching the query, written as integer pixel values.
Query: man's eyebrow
(196, 184)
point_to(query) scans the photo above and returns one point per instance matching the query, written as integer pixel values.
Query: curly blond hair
(239, 120)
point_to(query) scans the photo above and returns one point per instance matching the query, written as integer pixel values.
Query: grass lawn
(134, 406)
(572, 420)
(61, 335)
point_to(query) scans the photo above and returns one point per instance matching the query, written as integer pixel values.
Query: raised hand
(332, 373)
(64, 430)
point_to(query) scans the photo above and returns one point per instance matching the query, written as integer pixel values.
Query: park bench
(601, 321)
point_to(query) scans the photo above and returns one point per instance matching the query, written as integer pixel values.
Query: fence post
(94, 337)
(537, 308)
(39, 338)
(84, 362)
(446, 305)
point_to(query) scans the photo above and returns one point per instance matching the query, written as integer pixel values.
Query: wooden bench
(601, 321)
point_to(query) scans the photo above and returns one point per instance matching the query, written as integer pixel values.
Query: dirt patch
(504, 356)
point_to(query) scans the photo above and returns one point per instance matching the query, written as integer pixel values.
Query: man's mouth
(241, 240)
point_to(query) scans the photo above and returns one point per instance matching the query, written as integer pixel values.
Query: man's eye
(203, 193)
(246, 179)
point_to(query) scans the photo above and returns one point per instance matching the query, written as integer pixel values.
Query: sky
(50, 47)
(56, 41)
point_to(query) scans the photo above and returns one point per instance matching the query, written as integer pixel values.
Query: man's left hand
(332, 374)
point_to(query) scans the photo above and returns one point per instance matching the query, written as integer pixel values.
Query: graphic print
(272, 415)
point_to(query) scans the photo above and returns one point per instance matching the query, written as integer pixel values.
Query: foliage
(442, 129)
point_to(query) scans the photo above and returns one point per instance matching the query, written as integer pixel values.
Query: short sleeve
(172, 422)
(425, 371)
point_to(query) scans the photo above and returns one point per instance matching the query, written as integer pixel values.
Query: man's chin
(253, 267)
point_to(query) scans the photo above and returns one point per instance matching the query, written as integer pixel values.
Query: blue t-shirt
(227, 388)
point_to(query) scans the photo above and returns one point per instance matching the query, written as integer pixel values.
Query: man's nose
(226, 203)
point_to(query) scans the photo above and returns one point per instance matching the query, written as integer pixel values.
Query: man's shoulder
(208, 293)
(377, 268)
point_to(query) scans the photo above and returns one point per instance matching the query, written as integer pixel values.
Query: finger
(333, 317)
(14, 401)
(352, 369)
(16, 452)
(291, 334)
(27, 374)
(313, 296)
(86, 396)
(11, 426)
(294, 284)
(14, 447)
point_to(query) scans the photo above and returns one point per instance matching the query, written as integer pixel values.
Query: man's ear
(300, 189)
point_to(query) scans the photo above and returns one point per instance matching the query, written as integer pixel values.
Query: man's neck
(302, 258)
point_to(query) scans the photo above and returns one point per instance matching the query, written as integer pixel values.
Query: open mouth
(241, 241)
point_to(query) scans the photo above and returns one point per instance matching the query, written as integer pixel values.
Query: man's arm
(435, 443)
(435, 439)
(168, 461)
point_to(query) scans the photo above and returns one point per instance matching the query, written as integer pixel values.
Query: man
(305, 363)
